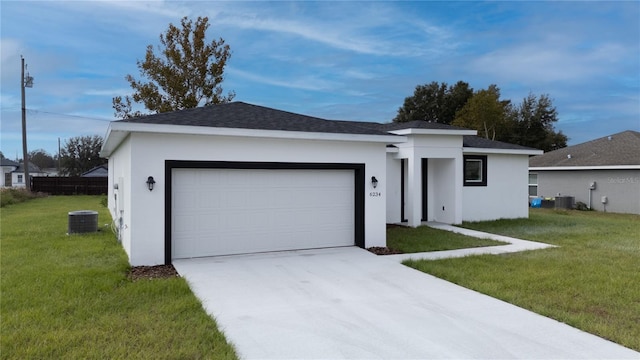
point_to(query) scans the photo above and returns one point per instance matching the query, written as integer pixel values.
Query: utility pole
(25, 82)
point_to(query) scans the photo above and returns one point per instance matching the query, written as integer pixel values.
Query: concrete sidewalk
(514, 245)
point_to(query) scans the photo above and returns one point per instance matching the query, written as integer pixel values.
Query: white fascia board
(470, 150)
(118, 131)
(605, 167)
(392, 150)
(112, 140)
(412, 131)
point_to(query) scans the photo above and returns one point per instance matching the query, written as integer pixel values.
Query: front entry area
(227, 211)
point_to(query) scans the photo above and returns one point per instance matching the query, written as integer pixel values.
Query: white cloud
(306, 82)
(364, 30)
(108, 92)
(544, 63)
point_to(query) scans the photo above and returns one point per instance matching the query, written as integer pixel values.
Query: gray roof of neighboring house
(7, 162)
(617, 149)
(32, 168)
(98, 171)
(240, 115)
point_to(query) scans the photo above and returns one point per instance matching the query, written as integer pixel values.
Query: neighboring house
(603, 173)
(8, 167)
(98, 171)
(51, 172)
(17, 176)
(240, 178)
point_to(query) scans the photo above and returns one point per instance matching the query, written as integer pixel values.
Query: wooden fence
(69, 185)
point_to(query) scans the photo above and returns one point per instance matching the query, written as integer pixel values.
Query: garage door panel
(235, 211)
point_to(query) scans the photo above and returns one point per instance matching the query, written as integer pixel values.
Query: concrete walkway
(346, 303)
(514, 245)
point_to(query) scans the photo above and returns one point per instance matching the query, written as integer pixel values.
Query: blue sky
(335, 60)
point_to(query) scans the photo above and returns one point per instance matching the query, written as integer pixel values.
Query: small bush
(11, 196)
(104, 201)
(582, 206)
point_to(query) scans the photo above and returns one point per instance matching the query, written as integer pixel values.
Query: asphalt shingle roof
(472, 141)
(420, 124)
(7, 162)
(240, 115)
(617, 149)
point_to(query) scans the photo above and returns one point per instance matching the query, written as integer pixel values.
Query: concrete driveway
(346, 303)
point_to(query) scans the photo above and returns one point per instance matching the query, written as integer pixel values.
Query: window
(533, 184)
(475, 170)
(20, 179)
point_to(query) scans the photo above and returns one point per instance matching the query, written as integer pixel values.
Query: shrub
(582, 206)
(10, 196)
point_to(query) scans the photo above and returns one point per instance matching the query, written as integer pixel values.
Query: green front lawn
(424, 238)
(69, 297)
(592, 281)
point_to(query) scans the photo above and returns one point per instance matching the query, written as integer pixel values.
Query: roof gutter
(472, 150)
(604, 167)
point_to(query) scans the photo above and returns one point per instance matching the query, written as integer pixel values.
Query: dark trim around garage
(359, 179)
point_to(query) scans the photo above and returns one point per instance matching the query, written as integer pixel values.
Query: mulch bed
(379, 250)
(152, 272)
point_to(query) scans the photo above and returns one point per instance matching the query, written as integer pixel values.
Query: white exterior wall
(119, 200)
(507, 191)
(621, 187)
(6, 170)
(393, 188)
(143, 237)
(444, 188)
(444, 204)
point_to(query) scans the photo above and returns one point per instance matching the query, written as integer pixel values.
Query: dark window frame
(483, 169)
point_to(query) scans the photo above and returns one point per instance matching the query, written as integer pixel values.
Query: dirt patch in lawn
(152, 272)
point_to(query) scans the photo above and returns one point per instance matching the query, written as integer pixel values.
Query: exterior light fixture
(374, 182)
(150, 183)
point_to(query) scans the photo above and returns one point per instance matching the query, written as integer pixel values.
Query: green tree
(485, 112)
(42, 159)
(533, 124)
(186, 73)
(80, 154)
(435, 101)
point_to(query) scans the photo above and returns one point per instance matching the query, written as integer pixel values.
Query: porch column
(414, 191)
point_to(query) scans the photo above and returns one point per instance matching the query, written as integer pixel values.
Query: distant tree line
(530, 123)
(78, 155)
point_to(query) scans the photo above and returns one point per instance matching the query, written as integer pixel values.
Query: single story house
(603, 173)
(8, 167)
(240, 178)
(16, 179)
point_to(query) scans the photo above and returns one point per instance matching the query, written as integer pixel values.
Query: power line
(69, 115)
(34, 111)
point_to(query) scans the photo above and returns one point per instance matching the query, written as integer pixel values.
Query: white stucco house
(602, 173)
(13, 173)
(8, 167)
(239, 178)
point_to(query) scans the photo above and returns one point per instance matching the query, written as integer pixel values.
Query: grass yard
(592, 281)
(69, 297)
(424, 238)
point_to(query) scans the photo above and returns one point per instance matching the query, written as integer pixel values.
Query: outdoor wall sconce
(150, 183)
(374, 182)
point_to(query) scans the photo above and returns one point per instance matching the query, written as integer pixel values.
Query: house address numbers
(375, 194)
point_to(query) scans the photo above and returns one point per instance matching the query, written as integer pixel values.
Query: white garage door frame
(359, 188)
